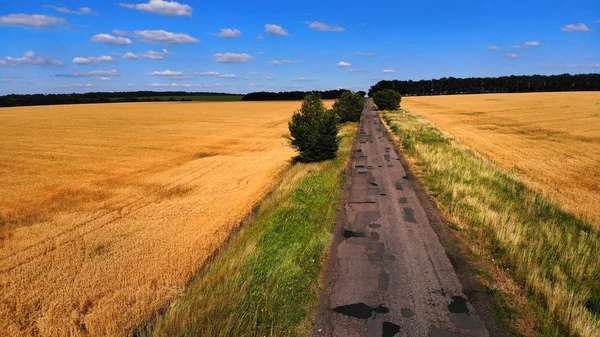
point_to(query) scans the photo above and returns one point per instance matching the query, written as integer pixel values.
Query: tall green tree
(313, 130)
(387, 99)
(349, 106)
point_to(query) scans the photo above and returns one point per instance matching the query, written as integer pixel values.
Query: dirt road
(388, 274)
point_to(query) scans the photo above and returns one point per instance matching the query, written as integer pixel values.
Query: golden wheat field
(106, 211)
(550, 140)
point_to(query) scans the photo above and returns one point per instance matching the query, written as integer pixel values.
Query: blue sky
(55, 46)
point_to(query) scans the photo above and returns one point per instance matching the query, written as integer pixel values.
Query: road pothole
(352, 234)
(389, 329)
(458, 305)
(360, 310)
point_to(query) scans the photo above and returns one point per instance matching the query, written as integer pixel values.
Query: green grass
(551, 254)
(266, 281)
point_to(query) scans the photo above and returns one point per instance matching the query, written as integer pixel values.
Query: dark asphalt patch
(390, 329)
(399, 186)
(360, 310)
(406, 312)
(409, 215)
(374, 225)
(375, 257)
(375, 236)
(384, 281)
(403, 200)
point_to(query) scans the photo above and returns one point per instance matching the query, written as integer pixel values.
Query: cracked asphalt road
(388, 274)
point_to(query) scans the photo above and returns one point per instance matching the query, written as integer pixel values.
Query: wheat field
(107, 211)
(551, 140)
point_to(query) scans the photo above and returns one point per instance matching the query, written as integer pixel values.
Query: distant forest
(291, 95)
(105, 97)
(481, 85)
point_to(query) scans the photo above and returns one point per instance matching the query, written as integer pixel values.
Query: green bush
(313, 130)
(349, 106)
(387, 99)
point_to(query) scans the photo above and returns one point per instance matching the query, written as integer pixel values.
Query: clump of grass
(200, 155)
(552, 254)
(266, 281)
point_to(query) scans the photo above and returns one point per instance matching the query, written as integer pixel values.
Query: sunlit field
(106, 211)
(551, 140)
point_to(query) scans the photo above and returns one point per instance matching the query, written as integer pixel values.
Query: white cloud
(527, 45)
(532, 44)
(268, 77)
(105, 78)
(253, 85)
(76, 85)
(325, 27)
(167, 8)
(30, 58)
(166, 73)
(152, 55)
(342, 87)
(275, 30)
(130, 85)
(208, 73)
(111, 72)
(229, 33)
(228, 76)
(343, 64)
(355, 71)
(302, 79)
(82, 10)
(110, 39)
(493, 47)
(364, 53)
(576, 28)
(34, 20)
(587, 66)
(279, 62)
(220, 85)
(389, 71)
(162, 36)
(5, 79)
(93, 59)
(169, 85)
(260, 37)
(514, 56)
(232, 58)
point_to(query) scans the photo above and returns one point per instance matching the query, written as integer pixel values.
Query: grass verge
(266, 282)
(553, 257)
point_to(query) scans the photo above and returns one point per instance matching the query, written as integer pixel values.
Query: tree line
(481, 85)
(98, 97)
(293, 95)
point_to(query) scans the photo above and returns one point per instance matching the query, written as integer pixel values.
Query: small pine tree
(314, 130)
(349, 106)
(387, 99)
